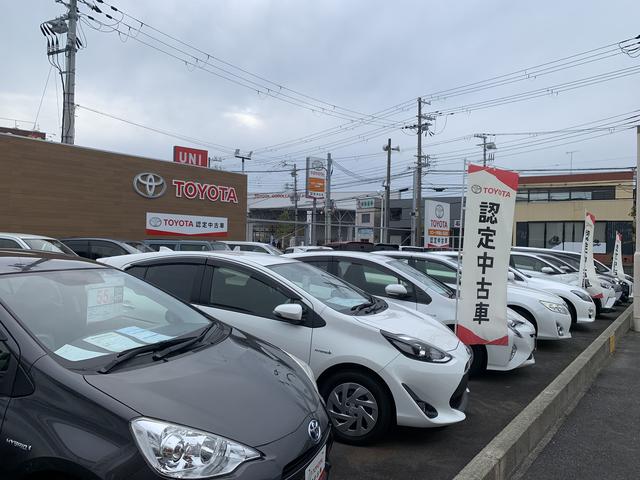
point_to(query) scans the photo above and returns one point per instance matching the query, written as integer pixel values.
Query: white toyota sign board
(488, 224)
(171, 224)
(316, 177)
(437, 222)
(587, 268)
(616, 267)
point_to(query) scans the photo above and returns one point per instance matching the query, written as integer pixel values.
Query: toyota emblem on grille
(314, 431)
(149, 185)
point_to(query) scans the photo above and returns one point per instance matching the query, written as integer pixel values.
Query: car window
(100, 249)
(289, 250)
(194, 247)
(429, 282)
(6, 379)
(137, 271)
(86, 316)
(440, 271)
(330, 290)
(47, 245)
(321, 263)
(139, 246)
(156, 246)
(81, 247)
(530, 264)
(240, 290)
(371, 278)
(219, 246)
(179, 279)
(8, 243)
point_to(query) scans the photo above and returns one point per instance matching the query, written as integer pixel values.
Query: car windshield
(48, 245)
(573, 261)
(272, 249)
(86, 316)
(330, 290)
(561, 264)
(420, 277)
(219, 246)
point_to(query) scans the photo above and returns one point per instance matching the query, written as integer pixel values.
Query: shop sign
(366, 203)
(316, 177)
(186, 225)
(437, 219)
(587, 268)
(191, 156)
(488, 225)
(152, 185)
(149, 185)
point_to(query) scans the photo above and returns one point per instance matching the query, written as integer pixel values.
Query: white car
(547, 312)
(387, 277)
(603, 294)
(25, 241)
(375, 363)
(306, 248)
(257, 247)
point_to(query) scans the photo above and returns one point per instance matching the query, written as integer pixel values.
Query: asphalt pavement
(495, 399)
(601, 437)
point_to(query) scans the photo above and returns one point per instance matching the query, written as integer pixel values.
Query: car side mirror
(396, 290)
(289, 311)
(547, 270)
(511, 276)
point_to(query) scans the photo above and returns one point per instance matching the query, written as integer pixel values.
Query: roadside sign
(437, 222)
(315, 177)
(191, 156)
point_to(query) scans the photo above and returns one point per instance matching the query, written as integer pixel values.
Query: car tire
(479, 362)
(572, 311)
(350, 414)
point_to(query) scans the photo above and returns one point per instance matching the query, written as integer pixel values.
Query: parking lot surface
(600, 437)
(495, 399)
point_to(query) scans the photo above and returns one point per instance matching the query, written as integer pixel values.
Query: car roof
(341, 253)
(24, 261)
(24, 235)
(104, 239)
(251, 258)
(243, 242)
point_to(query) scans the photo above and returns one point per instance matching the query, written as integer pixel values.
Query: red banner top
(508, 177)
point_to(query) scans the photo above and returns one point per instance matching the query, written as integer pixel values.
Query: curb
(510, 448)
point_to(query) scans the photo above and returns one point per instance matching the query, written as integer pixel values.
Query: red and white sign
(191, 156)
(437, 224)
(186, 225)
(488, 224)
(316, 177)
(587, 268)
(205, 191)
(617, 267)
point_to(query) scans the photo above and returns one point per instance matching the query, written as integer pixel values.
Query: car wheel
(479, 362)
(598, 306)
(359, 407)
(572, 311)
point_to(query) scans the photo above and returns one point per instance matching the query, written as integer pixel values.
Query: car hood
(240, 388)
(532, 292)
(400, 319)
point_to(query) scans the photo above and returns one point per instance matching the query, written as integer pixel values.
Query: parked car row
(193, 363)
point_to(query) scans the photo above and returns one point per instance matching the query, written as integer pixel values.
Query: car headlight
(581, 295)
(555, 307)
(416, 349)
(513, 326)
(606, 285)
(177, 451)
(306, 368)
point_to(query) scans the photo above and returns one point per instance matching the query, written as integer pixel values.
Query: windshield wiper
(134, 352)
(184, 344)
(362, 306)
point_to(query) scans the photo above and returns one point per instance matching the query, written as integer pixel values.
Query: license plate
(315, 470)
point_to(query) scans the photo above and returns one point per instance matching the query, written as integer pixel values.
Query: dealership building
(64, 190)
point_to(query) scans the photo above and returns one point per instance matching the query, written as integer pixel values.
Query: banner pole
(464, 184)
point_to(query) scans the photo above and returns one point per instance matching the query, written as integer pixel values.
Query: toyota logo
(476, 188)
(439, 211)
(149, 185)
(155, 221)
(315, 433)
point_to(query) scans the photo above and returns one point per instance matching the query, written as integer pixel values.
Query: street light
(243, 157)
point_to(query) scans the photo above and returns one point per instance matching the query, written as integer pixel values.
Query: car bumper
(517, 354)
(585, 311)
(429, 394)
(553, 325)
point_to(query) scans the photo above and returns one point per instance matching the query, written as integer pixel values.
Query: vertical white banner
(587, 267)
(437, 221)
(618, 269)
(489, 209)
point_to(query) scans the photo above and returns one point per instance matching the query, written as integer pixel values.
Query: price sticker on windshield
(104, 301)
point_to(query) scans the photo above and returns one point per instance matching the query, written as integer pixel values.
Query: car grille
(458, 396)
(295, 470)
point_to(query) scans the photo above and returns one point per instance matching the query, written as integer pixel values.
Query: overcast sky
(360, 55)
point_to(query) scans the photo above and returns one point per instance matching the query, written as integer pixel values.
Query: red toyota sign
(191, 156)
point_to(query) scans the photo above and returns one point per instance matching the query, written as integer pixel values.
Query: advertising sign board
(171, 224)
(316, 177)
(437, 221)
(191, 156)
(618, 269)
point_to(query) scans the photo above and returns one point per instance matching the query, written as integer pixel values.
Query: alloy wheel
(353, 409)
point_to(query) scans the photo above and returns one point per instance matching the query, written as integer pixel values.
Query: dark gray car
(103, 376)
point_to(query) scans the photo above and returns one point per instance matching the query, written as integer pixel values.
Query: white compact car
(25, 241)
(257, 247)
(547, 312)
(391, 278)
(603, 294)
(375, 363)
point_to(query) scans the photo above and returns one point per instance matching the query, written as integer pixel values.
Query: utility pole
(387, 191)
(636, 255)
(570, 153)
(486, 146)
(294, 174)
(327, 203)
(237, 154)
(69, 100)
